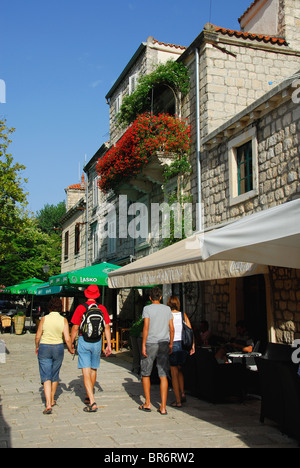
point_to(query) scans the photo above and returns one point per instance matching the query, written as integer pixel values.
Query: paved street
(118, 424)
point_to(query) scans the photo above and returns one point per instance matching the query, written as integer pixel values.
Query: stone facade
(74, 229)
(286, 291)
(144, 61)
(273, 123)
(276, 129)
(236, 105)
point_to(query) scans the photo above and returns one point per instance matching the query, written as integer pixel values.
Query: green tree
(12, 194)
(48, 217)
(13, 198)
(27, 243)
(30, 250)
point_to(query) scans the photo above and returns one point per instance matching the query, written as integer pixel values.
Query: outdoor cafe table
(245, 358)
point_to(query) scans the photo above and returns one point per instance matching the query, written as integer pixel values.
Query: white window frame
(112, 233)
(96, 191)
(95, 242)
(118, 103)
(133, 83)
(140, 207)
(234, 197)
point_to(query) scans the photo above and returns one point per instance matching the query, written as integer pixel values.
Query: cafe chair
(6, 322)
(209, 380)
(280, 389)
(115, 342)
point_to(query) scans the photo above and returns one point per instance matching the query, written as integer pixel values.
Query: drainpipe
(86, 219)
(198, 144)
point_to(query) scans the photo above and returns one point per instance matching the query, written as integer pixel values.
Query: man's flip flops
(142, 408)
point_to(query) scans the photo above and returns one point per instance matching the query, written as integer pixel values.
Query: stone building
(268, 131)
(73, 226)
(104, 209)
(232, 105)
(143, 62)
(235, 114)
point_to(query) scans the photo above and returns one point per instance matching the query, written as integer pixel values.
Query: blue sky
(59, 59)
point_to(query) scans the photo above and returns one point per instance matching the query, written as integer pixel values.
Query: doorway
(255, 309)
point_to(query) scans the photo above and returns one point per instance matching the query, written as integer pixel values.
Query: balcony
(137, 162)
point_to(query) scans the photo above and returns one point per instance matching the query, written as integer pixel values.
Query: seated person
(240, 343)
(204, 333)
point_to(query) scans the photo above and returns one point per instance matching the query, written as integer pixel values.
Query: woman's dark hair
(55, 305)
(174, 303)
(155, 294)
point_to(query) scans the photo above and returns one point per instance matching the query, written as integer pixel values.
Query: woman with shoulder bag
(179, 354)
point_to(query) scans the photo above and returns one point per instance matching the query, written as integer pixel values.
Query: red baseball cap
(92, 292)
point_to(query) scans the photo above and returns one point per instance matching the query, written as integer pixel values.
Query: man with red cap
(89, 354)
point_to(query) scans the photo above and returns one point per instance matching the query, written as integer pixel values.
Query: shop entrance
(255, 309)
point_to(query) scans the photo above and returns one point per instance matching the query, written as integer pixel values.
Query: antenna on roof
(210, 10)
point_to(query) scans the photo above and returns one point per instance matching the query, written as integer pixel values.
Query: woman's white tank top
(177, 325)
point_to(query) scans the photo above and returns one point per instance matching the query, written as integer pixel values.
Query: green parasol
(95, 274)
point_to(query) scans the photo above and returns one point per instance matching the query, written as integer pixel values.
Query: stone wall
(286, 303)
(153, 54)
(278, 142)
(239, 76)
(233, 74)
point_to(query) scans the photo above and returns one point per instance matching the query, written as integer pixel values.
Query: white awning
(243, 248)
(269, 237)
(179, 263)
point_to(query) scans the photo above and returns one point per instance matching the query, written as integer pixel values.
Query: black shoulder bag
(187, 336)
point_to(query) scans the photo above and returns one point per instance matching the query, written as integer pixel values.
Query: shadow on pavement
(5, 440)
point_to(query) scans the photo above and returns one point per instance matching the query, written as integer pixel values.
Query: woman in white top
(178, 356)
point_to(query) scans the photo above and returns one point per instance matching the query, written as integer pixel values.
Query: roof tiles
(251, 36)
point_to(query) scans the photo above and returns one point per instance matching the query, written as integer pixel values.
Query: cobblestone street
(118, 424)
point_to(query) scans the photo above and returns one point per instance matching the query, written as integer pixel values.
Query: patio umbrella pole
(103, 294)
(31, 307)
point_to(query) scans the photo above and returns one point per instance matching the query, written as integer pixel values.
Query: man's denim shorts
(160, 352)
(89, 354)
(50, 360)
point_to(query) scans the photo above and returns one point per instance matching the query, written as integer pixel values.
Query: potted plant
(135, 332)
(19, 322)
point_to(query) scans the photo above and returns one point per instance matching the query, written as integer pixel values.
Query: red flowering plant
(146, 136)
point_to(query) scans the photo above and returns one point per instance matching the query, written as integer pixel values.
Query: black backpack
(92, 324)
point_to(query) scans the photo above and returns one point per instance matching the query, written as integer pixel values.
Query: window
(66, 245)
(243, 167)
(133, 83)
(111, 230)
(118, 103)
(77, 239)
(138, 227)
(95, 242)
(95, 192)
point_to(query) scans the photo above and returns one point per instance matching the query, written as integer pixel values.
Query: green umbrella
(95, 274)
(50, 290)
(33, 290)
(23, 286)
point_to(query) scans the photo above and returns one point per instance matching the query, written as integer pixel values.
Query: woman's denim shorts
(50, 360)
(89, 354)
(179, 355)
